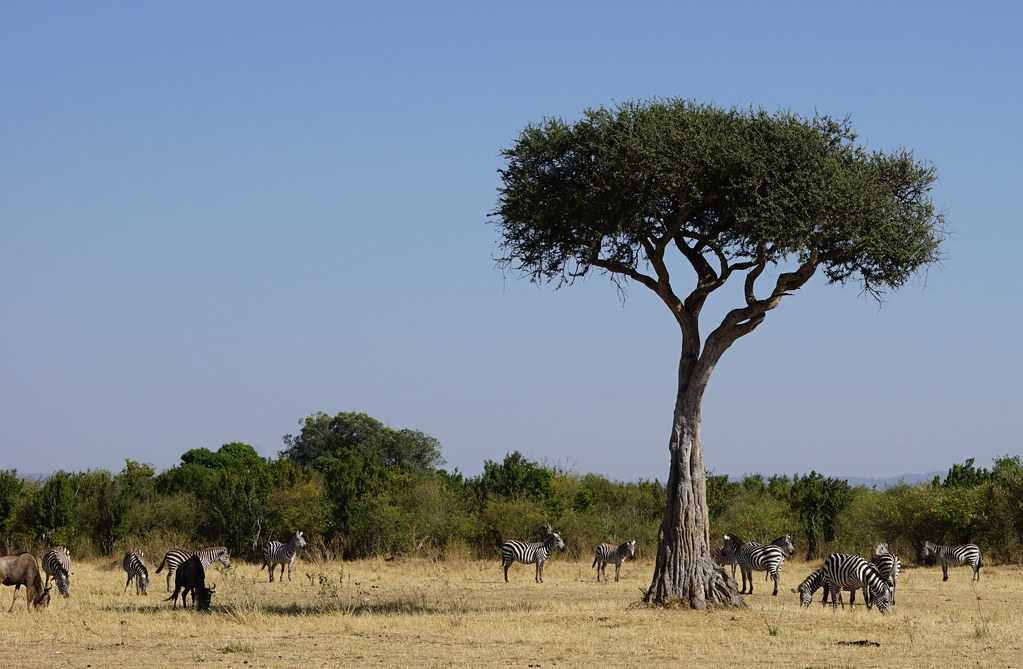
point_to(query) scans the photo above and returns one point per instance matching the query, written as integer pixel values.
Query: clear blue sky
(219, 218)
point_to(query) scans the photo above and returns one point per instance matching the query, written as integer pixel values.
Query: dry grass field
(455, 613)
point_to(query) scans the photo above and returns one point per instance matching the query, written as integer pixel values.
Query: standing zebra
(57, 563)
(752, 556)
(723, 557)
(276, 553)
(887, 564)
(513, 550)
(607, 553)
(135, 567)
(956, 556)
(848, 572)
(175, 556)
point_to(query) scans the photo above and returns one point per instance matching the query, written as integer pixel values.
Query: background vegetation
(360, 489)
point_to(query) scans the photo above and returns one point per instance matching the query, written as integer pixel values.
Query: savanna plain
(460, 612)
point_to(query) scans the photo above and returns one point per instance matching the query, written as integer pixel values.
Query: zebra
(513, 550)
(956, 556)
(815, 582)
(723, 557)
(887, 564)
(276, 553)
(175, 556)
(752, 556)
(135, 567)
(848, 572)
(57, 563)
(605, 553)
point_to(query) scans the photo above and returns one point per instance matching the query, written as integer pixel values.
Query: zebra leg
(539, 571)
(618, 567)
(944, 570)
(976, 572)
(506, 565)
(289, 572)
(777, 575)
(836, 593)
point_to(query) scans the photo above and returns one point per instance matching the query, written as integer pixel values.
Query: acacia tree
(633, 190)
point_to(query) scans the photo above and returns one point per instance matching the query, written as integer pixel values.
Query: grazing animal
(135, 567)
(605, 553)
(815, 582)
(190, 576)
(752, 556)
(57, 563)
(723, 557)
(887, 564)
(175, 556)
(275, 553)
(22, 570)
(513, 550)
(956, 556)
(848, 572)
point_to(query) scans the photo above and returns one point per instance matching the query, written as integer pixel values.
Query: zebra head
(881, 548)
(224, 558)
(785, 543)
(805, 595)
(883, 600)
(927, 550)
(631, 548)
(554, 539)
(297, 541)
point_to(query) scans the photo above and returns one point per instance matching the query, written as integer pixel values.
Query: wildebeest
(23, 570)
(191, 577)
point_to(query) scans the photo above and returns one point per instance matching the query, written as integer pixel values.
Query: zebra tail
(596, 559)
(161, 567)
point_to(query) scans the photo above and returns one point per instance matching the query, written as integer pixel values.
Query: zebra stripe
(848, 572)
(956, 556)
(135, 567)
(57, 563)
(175, 556)
(755, 557)
(514, 550)
(887, 564)
(276, 553)
(605, 553)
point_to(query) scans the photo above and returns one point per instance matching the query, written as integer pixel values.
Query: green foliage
(365, 438)
(819, 501)
(518, 478)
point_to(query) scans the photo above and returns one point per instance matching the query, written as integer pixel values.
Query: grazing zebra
(723, 557)
(752, 556)
(887, 564)
(815, 582)
(57, 563)
(276, 553)
(618, 554)
(135, 567)
(175, 556)
(848, 572)
(513, 550)
(956, 556)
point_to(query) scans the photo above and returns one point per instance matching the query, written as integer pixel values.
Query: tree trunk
(684, 571)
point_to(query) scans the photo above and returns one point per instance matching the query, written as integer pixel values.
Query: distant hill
(888, 481)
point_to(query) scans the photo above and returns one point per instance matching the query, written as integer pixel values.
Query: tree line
(358, 488)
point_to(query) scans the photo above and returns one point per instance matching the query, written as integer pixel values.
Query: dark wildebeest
(22, 570)
(190, 576)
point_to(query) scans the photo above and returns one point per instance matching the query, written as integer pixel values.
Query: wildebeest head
(203, 598)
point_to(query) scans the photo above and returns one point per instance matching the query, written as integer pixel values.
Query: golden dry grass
(461, 613)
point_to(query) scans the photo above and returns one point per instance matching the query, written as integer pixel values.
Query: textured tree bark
(684, 571)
